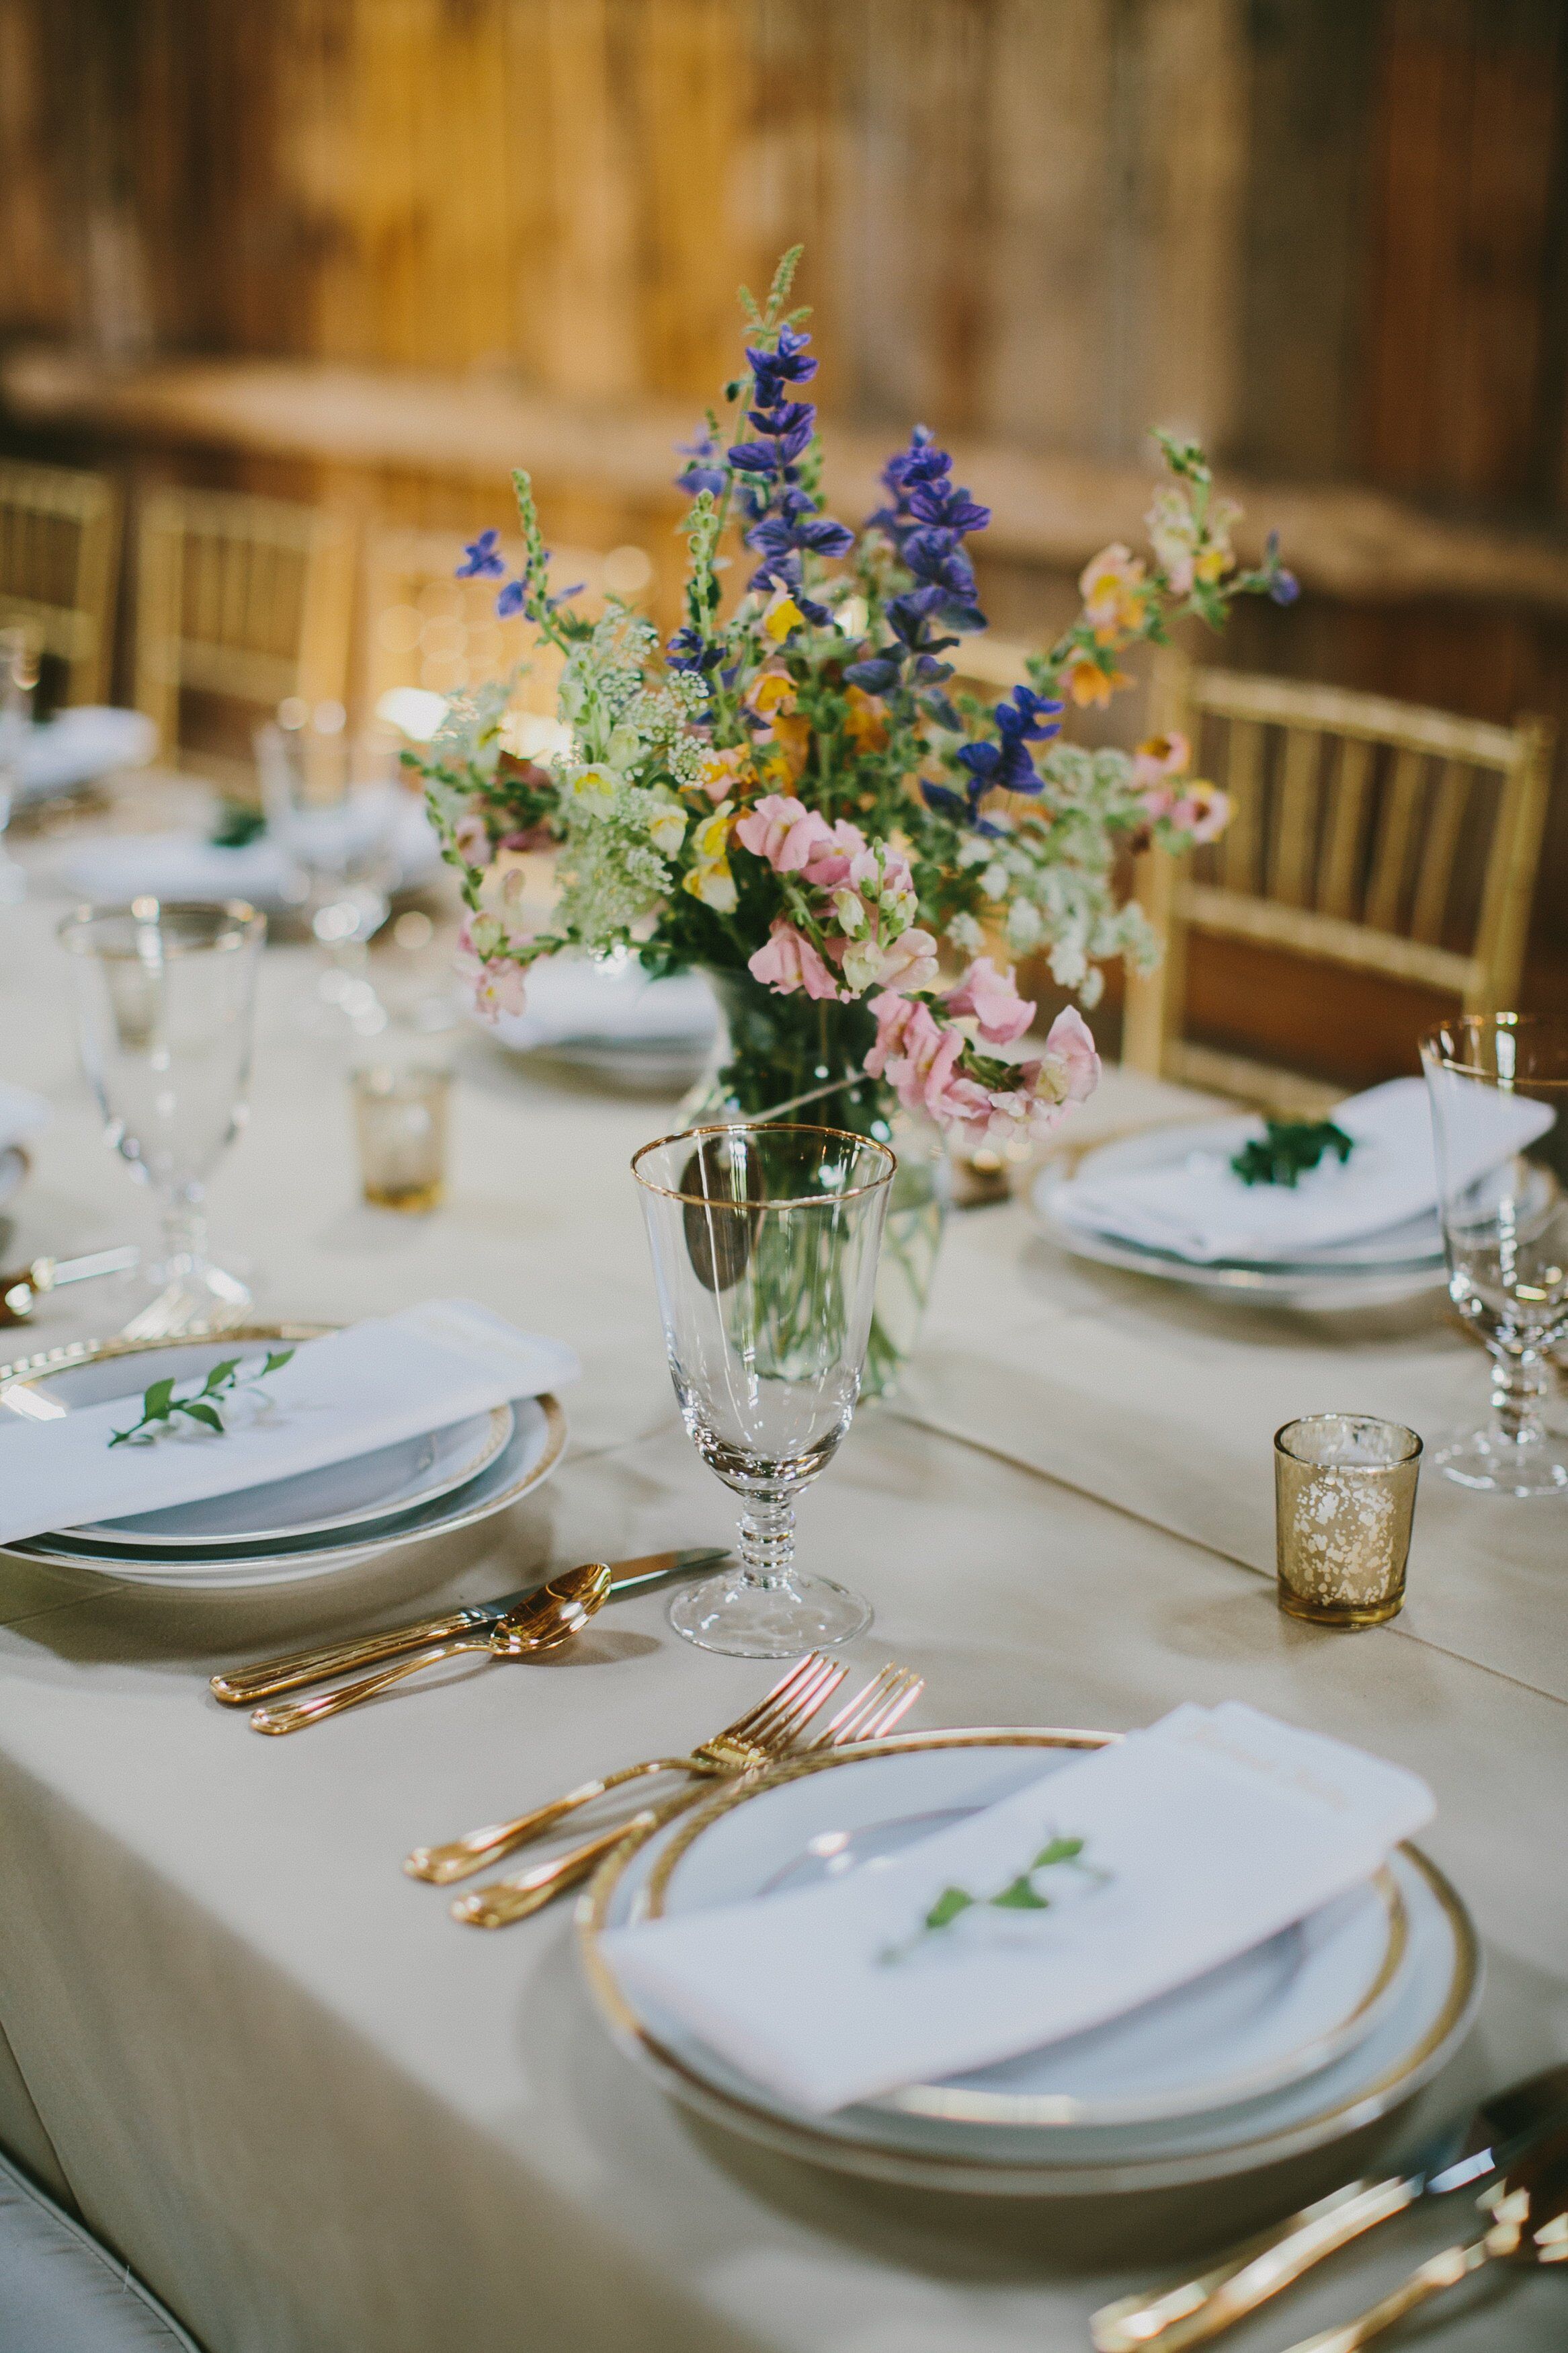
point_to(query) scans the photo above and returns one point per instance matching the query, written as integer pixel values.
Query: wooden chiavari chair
(243, 597)
(1377, 836)
(60, 553)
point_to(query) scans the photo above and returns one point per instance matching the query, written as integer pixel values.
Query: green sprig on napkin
(1290, 1150)
(1020, 1894)
(205, 1406)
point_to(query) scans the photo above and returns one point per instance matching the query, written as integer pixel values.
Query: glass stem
(184, 1235)
(1521, 1383)
(767, 1544)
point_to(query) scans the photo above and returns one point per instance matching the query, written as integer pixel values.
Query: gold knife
(246, 1685)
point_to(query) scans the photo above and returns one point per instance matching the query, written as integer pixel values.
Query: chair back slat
(1391, 858)
(60, 553)
(1439, 847)
(1348, 792)
(1290, 862)
(1354, 820)
(1241, 842)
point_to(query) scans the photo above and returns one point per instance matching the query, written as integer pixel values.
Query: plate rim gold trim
(1034, 2176)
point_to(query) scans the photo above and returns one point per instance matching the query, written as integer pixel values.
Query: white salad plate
(533, 1435)
(1316, 2033)
(1371, 1270)
(609, 1019)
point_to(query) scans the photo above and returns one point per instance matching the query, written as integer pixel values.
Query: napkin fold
(1201, 1209)
(79, 744)
(1191, 1843)
(572, 1000)
(388, 1379)
(22, 1114)
(184, 865)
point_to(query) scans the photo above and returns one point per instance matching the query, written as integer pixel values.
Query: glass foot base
(179, 1297)
(1504, 1466)
(744, 1618)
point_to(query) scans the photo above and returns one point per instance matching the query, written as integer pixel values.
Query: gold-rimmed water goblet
(766, 1241)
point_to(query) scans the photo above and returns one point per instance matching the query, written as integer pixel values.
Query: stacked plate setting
(1371, 1270)
(1319, 2030)
(316, 1522)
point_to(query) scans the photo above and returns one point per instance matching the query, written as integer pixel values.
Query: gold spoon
(544, 1622)
(1528, 2211)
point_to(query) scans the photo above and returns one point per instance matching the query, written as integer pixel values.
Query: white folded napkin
(22, 1114)
(1200, 1209)
(572, 1000)
(184, 865)
(1201, 1837)
(380, 1381)
(80, 743)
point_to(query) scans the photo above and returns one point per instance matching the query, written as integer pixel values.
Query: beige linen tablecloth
(321, 2118)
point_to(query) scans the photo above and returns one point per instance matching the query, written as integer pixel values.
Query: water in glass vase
(795, 1058)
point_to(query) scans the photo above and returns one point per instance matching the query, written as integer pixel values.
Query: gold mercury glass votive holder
(400, 1117)
(1344, 1494)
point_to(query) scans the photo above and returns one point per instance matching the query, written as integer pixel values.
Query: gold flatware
(1529, 2225)
(544, 1622)
(21, 1291)
(873, 1711)
(243, 1686)
(1186, 2313)
(754, 1738)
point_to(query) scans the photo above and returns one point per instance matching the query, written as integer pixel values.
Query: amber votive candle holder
(400, 1118)
(1344, 1494)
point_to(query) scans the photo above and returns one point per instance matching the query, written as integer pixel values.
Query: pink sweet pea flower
(471, 839)
(992, 998)
(787, 961)
(831, 860)
(1200, 810)
(1069, 1066)
(497, 982)
(784, 831)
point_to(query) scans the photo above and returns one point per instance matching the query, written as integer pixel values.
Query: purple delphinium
(1005, 766)
(927, 518)
(784, 523)
(705, 467)
(482, 558)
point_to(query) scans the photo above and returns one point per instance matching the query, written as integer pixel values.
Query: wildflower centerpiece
(795, 797)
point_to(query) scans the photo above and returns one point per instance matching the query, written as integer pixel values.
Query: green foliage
(1289, 1149)
(204, 1404)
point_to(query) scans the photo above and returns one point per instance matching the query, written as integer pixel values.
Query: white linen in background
(382, 1380)
(1200, 1209)
(572, 1000)
(1218, 1826)
(112, 867)
(22, 1114)
(79, 744)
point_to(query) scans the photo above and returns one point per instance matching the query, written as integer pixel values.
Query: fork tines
(797, 1696)
(873, 1710)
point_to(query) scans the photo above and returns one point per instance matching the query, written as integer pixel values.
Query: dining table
(317, 2115)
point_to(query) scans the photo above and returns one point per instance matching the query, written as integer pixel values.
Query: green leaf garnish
(1021, 1898)
(1289, 1149)
(948, 1906)
(204, 1404)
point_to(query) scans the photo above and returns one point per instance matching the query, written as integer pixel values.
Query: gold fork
(873, 1711)
(754, 1738)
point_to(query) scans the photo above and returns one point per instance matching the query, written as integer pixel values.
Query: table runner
(320, 2118)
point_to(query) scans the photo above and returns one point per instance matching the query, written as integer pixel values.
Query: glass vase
(798, 1058)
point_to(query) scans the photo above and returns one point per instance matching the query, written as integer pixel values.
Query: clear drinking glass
(331, 806)
(164, 1005)
(18, 679)
(1344, 1496)
(765, 1244)
(1498, 1088)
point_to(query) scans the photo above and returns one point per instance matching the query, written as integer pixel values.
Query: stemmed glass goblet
(1502, 1079)
(764, 1243)
(165, 998)
(330, 808)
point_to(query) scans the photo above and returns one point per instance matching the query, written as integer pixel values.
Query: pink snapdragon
(471, 839)
(784, 831)
(991, 999)
(497, 982)
(787, 961)
(830, 863)
(924, 1059)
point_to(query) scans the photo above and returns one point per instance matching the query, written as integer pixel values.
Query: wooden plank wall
(1330, 235)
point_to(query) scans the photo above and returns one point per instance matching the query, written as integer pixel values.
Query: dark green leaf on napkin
(1290, 1150)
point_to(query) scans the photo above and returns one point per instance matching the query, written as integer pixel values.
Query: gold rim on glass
(240, 912)
(766, 1127)
(1053, 2174)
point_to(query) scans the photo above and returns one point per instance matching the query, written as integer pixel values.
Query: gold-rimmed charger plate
(1431, 2009)
(524, 1462)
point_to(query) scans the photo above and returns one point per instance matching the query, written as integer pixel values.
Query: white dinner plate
(527, 1457)
(1278, 2054)
(13, 1167)
(336, 1495)
(1371, 1270)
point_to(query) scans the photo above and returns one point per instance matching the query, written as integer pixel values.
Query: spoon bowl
(546, 1619)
